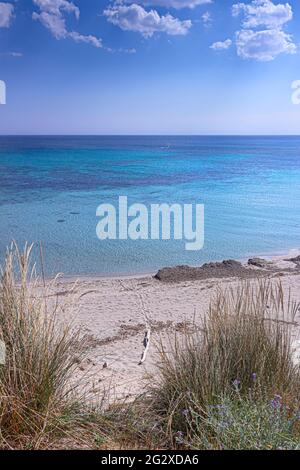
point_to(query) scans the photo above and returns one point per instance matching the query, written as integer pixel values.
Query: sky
(149, 66)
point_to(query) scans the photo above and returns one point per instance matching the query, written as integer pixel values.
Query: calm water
(50, 188)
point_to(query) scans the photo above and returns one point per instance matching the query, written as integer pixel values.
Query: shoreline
(277, 257)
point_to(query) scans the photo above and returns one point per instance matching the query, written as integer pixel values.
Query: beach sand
(114, 315)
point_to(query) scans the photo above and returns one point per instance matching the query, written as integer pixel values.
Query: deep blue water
(50, 188)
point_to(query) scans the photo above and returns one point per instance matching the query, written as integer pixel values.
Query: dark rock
(295, 260)
(258, 262)
(227, 268)
(226, 264)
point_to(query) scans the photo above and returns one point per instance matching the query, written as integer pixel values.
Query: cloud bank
(136, 18)
(264, 45)
(263, 13)
(52, 16)
(262, 36)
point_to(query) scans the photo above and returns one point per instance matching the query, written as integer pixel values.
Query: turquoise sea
(50, 188)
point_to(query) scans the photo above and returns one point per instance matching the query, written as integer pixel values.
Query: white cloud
(55, 7)
(15, 54)
(52, 17)
(6, 14)
(178, 4)
(207, 19)
(88, 39)
(263, 13)
(263, 45)
(221, 45)
(55, 23)
(135, 18)
(262, 37)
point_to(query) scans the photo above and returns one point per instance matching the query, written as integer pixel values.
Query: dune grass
(39, 361)
(40, 404)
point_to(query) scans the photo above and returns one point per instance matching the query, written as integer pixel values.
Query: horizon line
(149, 135)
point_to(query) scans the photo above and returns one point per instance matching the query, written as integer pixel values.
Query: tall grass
(246, 334)
(34, 381)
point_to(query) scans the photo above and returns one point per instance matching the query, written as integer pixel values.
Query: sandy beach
(115, 313)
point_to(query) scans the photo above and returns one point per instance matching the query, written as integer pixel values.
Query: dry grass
(34, 382)
(246, 334)
(40, 404)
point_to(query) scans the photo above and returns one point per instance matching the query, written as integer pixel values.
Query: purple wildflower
(254, 377)
(276, 402)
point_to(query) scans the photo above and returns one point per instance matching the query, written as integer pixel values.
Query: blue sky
(149, 66)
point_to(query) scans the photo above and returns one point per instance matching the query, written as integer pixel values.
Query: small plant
(245, 423)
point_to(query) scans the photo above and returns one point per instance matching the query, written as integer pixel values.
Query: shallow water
(50, 188)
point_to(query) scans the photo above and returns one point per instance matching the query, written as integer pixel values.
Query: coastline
(271, 256)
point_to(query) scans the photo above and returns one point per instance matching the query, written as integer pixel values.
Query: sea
(51, 186)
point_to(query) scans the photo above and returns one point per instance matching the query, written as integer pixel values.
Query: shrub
(245, 423)
(246, 331)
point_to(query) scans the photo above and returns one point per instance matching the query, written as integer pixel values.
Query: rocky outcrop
(227, 268)
(258, 262)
